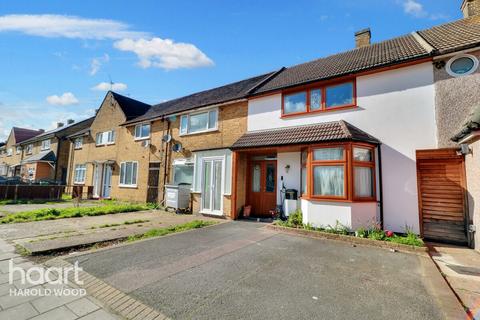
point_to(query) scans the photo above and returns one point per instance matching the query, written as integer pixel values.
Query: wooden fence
(31, 192)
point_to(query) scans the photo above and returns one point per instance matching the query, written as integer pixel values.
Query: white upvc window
(142, 131)
(128, 174)
(29, 149)
(103, 138)
(80, 173)
(19, 149)
(78, 143)
(199, 122)
(9, 152)
(46, 144)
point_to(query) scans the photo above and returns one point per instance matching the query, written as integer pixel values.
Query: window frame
(104, 141)
(9, 152)
(348, 163)
(124, 185)
(18, 149)
(43, 143)
(323, 104)
(187, 117)
(80, 167)
(29, 149)
(449, 70)
(140, 125)
(75, 146)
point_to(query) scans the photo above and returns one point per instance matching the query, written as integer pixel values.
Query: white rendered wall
(398, 108)
(292, 178)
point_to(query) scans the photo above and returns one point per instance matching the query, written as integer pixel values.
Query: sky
(58, 58)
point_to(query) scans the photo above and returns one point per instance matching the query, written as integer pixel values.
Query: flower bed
(373, 236)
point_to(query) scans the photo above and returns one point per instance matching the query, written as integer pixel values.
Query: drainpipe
(165, 161)
(380, 184)
(56, 158)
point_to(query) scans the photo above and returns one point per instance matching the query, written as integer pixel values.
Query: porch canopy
(331, 164)
(302, 135)
(44, 156)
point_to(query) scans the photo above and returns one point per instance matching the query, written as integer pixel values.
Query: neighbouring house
(198, 131)
(111, 158)
(11, 154)
(45, 156)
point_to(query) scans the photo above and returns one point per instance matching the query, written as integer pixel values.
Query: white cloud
(54, 26)
(96, 63)
(65, 99)
(164, 53)
(105, 86)
(416, 9)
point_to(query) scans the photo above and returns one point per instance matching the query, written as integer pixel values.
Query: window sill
(141, 139)
(299, 114)
(79, 183)
(198, 132)
(77, 148)
(128, 186)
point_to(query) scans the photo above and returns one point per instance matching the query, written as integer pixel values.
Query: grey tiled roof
(41, 156)
(378, 54)
(131, 108)
(322, 132)
(454, 36)
(229, 92)
(61, 131)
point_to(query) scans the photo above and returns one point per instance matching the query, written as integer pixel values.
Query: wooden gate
(442, 195)
(153, 177)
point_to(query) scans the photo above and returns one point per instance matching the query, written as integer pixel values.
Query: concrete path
(44, 301)
(240, 269)
(461, 268)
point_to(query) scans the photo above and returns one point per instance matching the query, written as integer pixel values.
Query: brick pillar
(362, 38)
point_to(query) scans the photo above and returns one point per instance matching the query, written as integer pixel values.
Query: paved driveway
(240, 270)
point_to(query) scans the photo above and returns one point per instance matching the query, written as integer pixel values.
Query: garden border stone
(350, 239)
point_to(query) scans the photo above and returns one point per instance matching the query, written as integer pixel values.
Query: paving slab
(461, 268)
(20, 312)
(61, 313)
(82, 307)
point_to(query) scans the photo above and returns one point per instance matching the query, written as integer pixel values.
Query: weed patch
(195, 224)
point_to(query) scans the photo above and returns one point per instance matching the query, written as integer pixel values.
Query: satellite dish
(167, 138)
(177, 147)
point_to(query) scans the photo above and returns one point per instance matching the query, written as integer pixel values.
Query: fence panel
(31, 192)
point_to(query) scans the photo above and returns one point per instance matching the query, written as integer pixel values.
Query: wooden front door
(262, 187)
(153, 178)
(442, 195)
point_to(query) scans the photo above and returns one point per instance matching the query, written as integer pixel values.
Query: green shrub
(376, 234)
(361, 232)
(295, 219)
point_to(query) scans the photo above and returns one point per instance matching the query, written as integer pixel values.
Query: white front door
(107, 181)
(212, 200)
(97, 180)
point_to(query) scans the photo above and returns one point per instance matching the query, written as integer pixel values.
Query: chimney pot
(470, 8)
(59, 124)
(70, 121)
(363, 38)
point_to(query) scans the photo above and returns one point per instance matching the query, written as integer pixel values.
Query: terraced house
(45, 156)
(11, 153)
(363, 136)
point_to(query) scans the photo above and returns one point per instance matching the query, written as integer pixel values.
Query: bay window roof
(317, 133)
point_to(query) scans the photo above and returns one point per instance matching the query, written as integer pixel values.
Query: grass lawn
(74, 212)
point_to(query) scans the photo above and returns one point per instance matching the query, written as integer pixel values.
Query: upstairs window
(104, 138)
(9, 152)
(29, 149)
(462, 65)
(19, 149)
(199, 122)
(142, 131)
(46, 145)
(320, 98)
(78, 143)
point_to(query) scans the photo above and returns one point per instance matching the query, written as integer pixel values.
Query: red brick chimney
(363, 38)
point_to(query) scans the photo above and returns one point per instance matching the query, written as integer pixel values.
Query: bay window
(320, 98)
(342, 172)
(199, 122)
